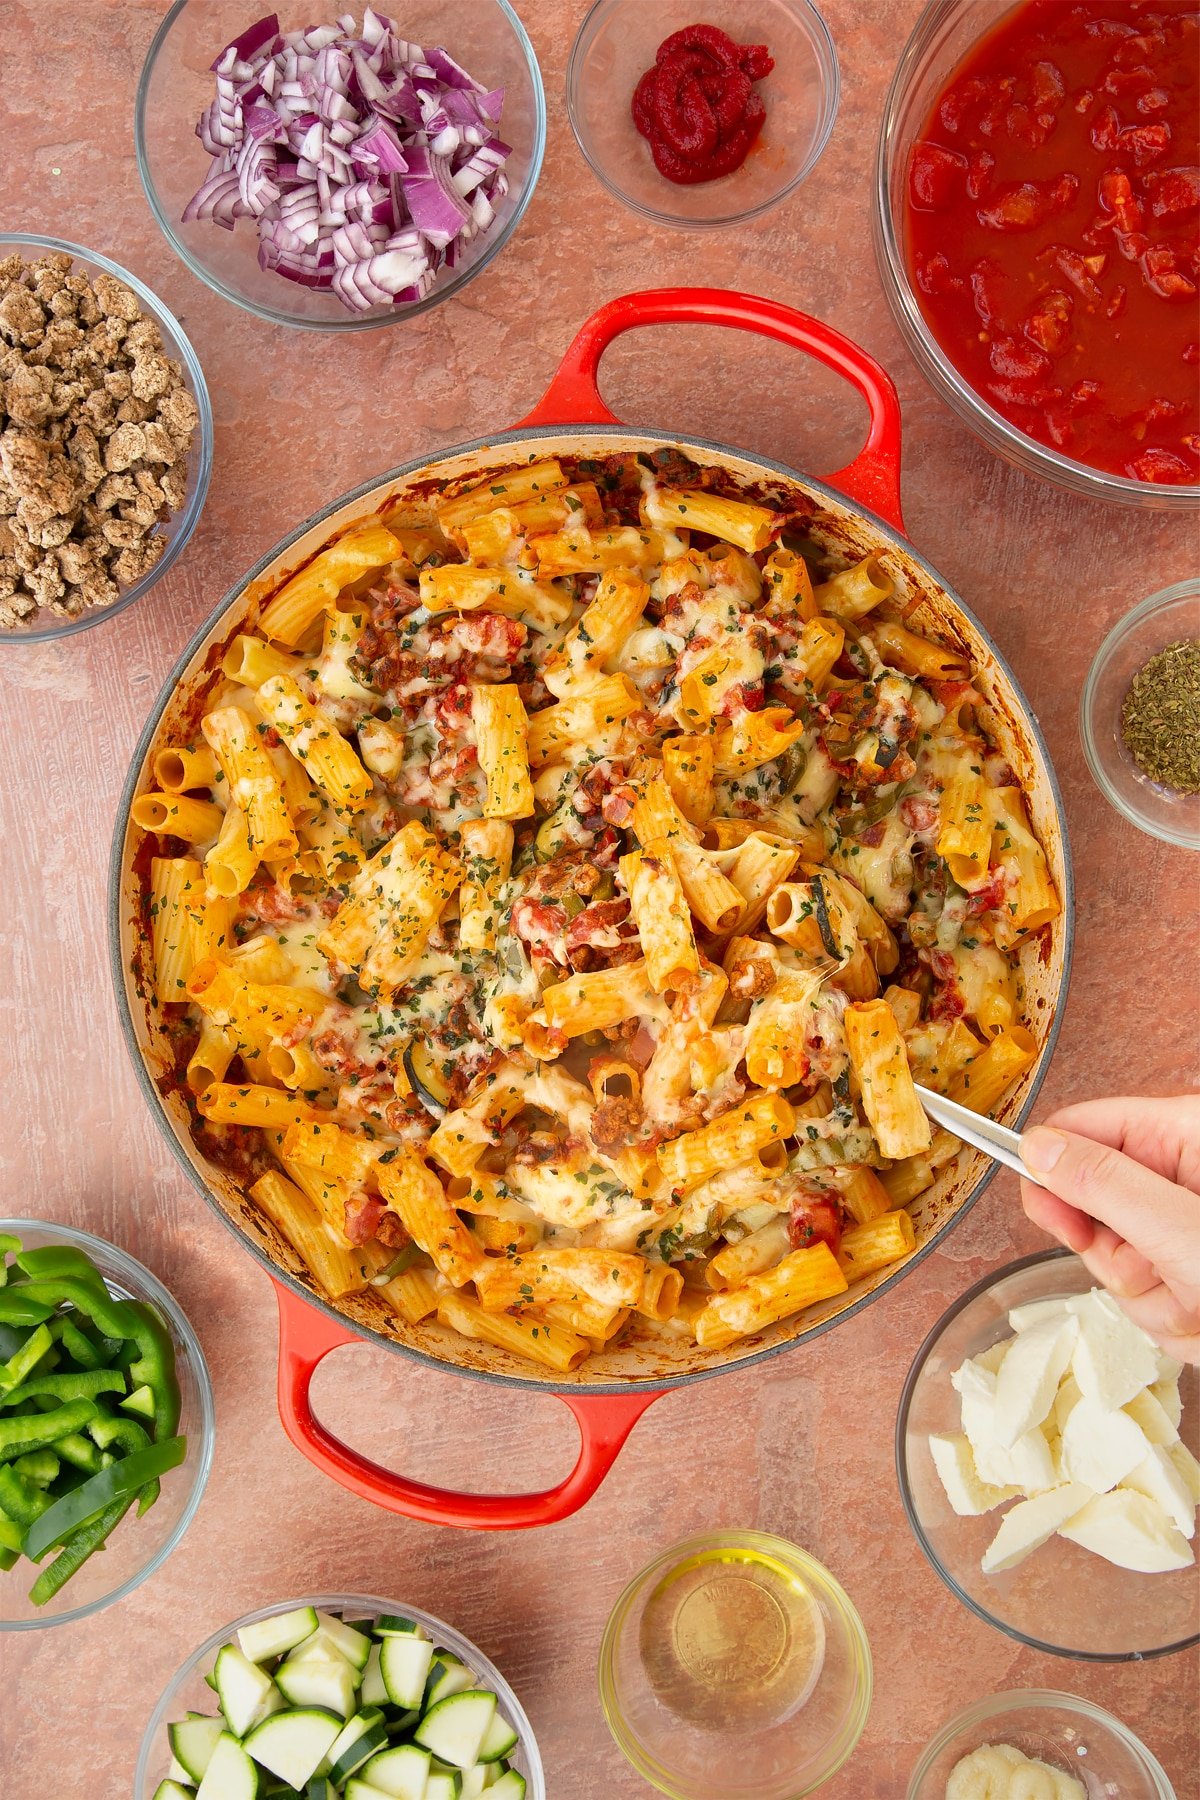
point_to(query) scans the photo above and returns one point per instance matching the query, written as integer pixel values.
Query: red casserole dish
(856, 511)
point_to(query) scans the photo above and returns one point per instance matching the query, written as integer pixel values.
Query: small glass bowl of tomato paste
(1036, 210)
(618, 42)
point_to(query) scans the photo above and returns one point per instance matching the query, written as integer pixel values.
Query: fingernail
(1041, 1148)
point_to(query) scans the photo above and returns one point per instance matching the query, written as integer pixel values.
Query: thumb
(1151, 1213)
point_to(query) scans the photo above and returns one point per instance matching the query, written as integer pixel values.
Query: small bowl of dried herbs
(1140, 715)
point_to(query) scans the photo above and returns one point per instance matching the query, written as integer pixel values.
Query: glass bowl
(1061, 1599)
(138, 1547)
(734, 1667)
(179, 527)
(1070, 1734)
(943, 35)
(1163, 619)
(615, 46)
(177, 83)
(187, 1690)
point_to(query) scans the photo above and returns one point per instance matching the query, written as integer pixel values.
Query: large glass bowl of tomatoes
(1037, 204)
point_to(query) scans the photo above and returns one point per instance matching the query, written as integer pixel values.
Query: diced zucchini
(444, 1784)
(474, 1781)
(498, 1740)
(401, 1772)
(193, 1741)
(176, 1772)
(276, 1636)
(447, 1676)
(454, 1728)
(400, 1720)
(314, 1681)
(373, 1693)
(362, 1737)
(172, 1790)
(320, 1788)
(511, 1786)
(244, 1690)
(358, 1789)
(294, 1744)
(389, 1625)
(353, 1645)
(230, 1775)
(404, 1663)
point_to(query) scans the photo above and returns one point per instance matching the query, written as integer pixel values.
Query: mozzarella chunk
(1158, 1425)
(1188, 1467)
(1129, 1530)
(1036, 1312)
(991, 1358)
(955, 1463)
(976, 1388)
(1067, 1397)
(1031, 1523)
(1100, 1447)
(1166, 1392)
(1113, 1359)
(1157, 1477)
(1029, 1376)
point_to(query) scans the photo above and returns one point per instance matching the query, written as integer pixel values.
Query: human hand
(1120, 1186)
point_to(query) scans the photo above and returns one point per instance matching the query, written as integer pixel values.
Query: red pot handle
(307, 1335)
(573, 397)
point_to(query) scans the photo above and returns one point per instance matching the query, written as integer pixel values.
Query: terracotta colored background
(803, 1447)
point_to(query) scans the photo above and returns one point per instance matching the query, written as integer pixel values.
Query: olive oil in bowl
(735, 1667)
(732, 1638)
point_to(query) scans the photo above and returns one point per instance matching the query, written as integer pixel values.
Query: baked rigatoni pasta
(553, 898)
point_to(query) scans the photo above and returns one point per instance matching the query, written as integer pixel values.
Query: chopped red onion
(367, 162)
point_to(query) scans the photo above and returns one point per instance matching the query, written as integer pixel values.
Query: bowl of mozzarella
(1046, 1453)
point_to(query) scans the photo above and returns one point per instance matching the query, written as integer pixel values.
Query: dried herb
(1160, 717)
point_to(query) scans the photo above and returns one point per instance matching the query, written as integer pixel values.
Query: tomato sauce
(1053, 202)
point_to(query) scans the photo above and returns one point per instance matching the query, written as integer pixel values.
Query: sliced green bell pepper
(19, 1307)
(20, 1500)
(38, 1344)
(39, 1466)
(77, 1344)
(38, 1431)
(155, 1366)
(118, 1483)
(79, 1451)
(75, 1552)
(52, 1261)
(91, 1300)
(9, 1245)
(78, 1384)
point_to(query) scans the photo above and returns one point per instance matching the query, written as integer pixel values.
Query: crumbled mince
(96, 423)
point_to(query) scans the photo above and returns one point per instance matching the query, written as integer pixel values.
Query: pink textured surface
(803, 1448)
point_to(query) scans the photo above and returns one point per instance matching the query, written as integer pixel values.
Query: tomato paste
(1052, 210)
(697, 107)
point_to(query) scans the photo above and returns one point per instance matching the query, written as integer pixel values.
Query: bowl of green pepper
(106, 1424)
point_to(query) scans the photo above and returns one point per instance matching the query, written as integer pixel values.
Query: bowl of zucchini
(339, 1698)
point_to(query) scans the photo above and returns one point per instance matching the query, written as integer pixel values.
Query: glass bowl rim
(1037, 1699)
(1111, 642)
(370, 1604)
(148, 1286)
(188, 516)
(821, 1577)
(829, 66)
(998, 433)
(352, 322)
(928, 1343)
